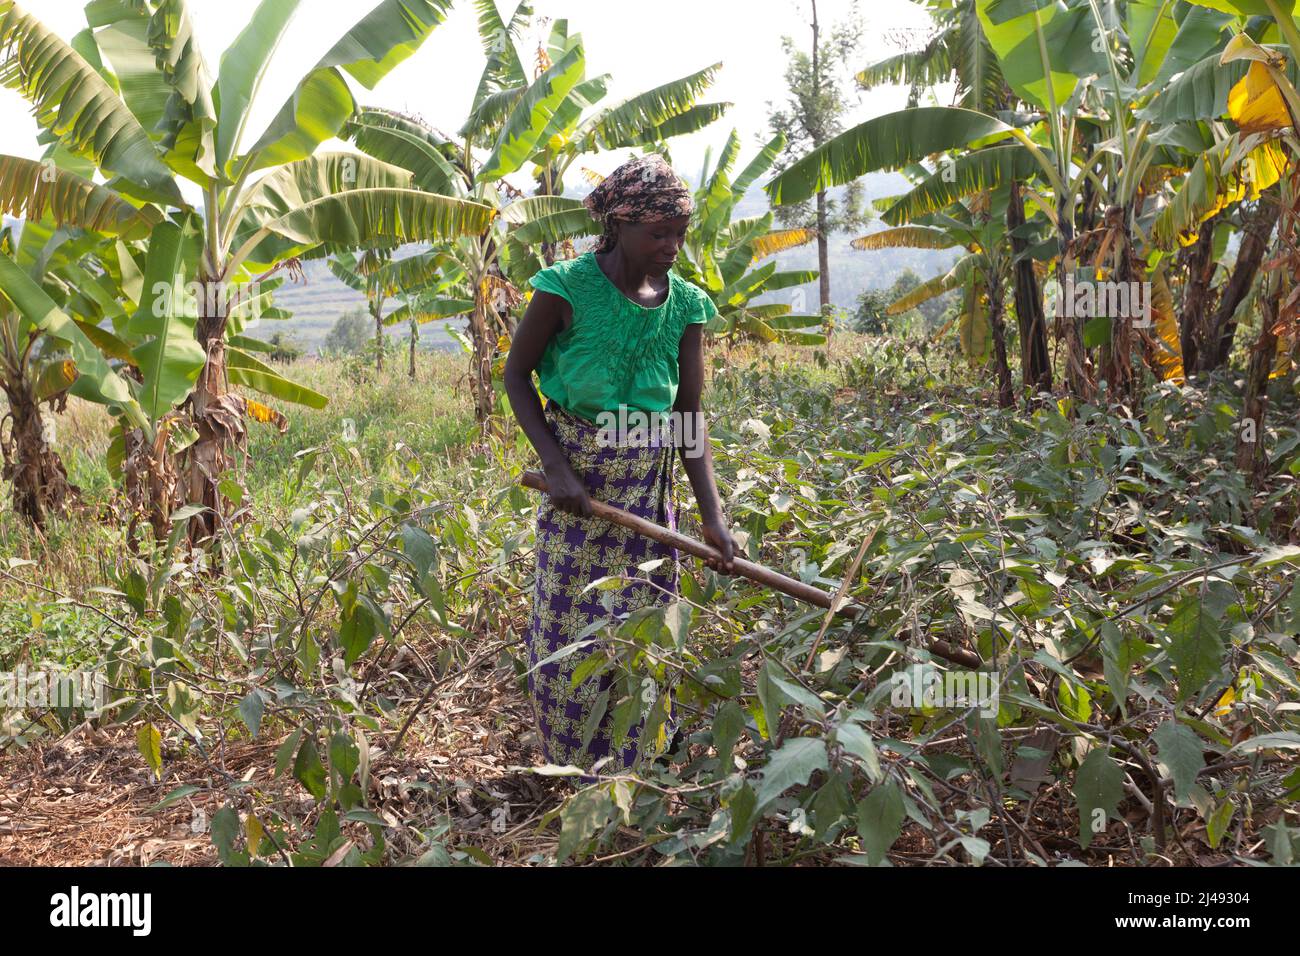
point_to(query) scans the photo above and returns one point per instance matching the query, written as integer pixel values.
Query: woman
(614, 329)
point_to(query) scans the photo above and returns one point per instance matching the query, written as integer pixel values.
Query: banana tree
(1047, 56)
(1247, 171)
(435, 163)
(518, 122)
(977, 225)
(44, 359)
(1253, 164)
(1051, 56)
(1137, 126)
(959, 51)
(568, 121)
(902, 141)
(133, 94)
(1265, 103)
(721, 253)
(445, 297)
(379, 277)
(1083, 68)
(417, 282)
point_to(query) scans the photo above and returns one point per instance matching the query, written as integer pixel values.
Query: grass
(430, 416)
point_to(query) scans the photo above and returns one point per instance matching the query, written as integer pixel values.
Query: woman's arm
(543, 319)
(697, 455)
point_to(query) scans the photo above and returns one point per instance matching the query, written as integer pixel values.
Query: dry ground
(87, 798)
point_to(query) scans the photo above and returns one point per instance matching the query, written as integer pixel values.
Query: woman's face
(653, 245)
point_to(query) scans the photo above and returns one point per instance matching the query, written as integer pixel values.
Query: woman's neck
(633, 281)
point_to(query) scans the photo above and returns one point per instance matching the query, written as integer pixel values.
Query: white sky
(644, 46)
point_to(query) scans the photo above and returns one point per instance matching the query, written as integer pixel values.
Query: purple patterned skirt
(578, 724)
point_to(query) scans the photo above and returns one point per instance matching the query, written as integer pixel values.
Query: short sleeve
(702, 310)
(551, 280)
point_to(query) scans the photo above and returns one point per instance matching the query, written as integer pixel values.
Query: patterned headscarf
(644, 189)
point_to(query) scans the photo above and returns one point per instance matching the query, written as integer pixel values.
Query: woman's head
(645, 208)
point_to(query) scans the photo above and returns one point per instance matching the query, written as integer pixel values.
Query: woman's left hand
(717, 535)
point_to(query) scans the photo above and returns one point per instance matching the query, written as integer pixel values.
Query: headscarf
(644, 189)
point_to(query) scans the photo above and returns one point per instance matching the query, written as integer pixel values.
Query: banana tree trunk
(1117, 351)
(481, 360)
(1250, 438)
(1006, 392)
(39, 483)
(218, 416)
(379, 340)
(547, 186)
(1193, 332)
(1077, 365)
(151, 481)
(1254, 242)
(1035, 360)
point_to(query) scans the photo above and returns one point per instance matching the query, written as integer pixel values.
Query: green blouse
(615, 352)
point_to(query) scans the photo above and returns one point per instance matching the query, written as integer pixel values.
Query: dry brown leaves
(86, 798)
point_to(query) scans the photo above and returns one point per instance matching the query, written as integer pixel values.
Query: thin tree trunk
(1250, 439)
(1077, 365)
(1076, 356)
(823, 247)
(415, 334)
(1193, 335)
(547, 187)
(823, 256)
(39, 483)
(1250, 254)
(379, 341)
(1035, 360)
(1006, 392)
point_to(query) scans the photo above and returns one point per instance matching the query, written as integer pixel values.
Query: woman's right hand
(566, 490)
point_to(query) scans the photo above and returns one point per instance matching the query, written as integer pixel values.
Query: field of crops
(258, 610)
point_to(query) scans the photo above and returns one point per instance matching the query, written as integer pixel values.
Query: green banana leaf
(891, 141)
(244, 369)
(1042, 44)
(75, 103)
(522, 134)
(618, 126)
(170, 358)
(242, 67)
(1246, 8)
(32, 189)
(503, 67)
(98, 382)
(395, 139)
(322, 101)
(429, 310)
(972, 172)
